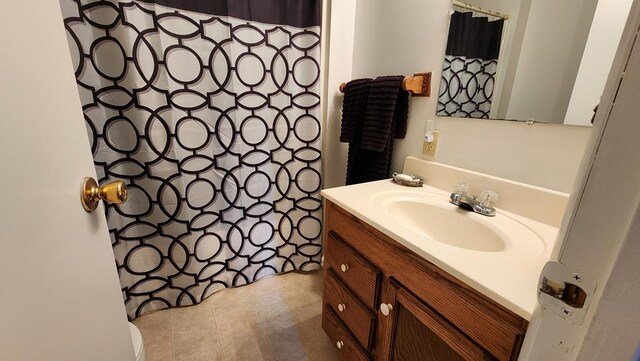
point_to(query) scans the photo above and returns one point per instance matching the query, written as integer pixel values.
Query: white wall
(340, 27)
(554, 40)
(413, 39)
(614, 334)
(607, 26)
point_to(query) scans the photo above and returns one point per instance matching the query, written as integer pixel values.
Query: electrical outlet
(429, 148)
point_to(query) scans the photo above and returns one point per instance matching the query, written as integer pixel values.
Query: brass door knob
(91, 194)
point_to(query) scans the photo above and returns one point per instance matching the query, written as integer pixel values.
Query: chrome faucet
(482, 204)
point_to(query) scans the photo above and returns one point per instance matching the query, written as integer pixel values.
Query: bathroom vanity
(409, 276)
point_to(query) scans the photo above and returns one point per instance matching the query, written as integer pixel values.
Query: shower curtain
(209, 111)
(470, 65)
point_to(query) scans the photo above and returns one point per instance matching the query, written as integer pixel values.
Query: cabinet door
(412, 331)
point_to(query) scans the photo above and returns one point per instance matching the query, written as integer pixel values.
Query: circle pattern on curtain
(213, 122)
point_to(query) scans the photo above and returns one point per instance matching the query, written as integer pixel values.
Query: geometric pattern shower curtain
(209, 111)
(470, 66)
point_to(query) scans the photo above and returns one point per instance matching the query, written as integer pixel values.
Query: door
(599, 235)
(59, 292)
(415, 332)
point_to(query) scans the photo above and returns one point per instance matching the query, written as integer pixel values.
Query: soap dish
(408, 180)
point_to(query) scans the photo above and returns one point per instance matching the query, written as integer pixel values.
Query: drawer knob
(386, 308)
(339, 344)
(342, 307)
(344, 267)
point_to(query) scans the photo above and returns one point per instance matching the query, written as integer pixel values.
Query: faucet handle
(488, 198)
(461, 188)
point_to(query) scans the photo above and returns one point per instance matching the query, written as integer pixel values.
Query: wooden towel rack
(418, 85)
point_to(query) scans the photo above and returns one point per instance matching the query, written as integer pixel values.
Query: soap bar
(407, 180)
(404, 177)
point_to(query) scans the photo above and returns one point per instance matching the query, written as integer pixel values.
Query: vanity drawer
(356, 316)
(347, 346)
(358, 273)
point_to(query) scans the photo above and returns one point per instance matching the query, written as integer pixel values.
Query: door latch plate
(565, 291)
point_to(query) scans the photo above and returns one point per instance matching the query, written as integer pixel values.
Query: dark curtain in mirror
(470, 65)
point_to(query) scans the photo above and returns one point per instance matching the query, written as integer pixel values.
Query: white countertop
(509, 280)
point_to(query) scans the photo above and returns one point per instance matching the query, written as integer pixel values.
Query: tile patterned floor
(274, 319)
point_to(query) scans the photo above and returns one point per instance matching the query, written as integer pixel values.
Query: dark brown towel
(354, 104)
(370, 129)
(386, 115)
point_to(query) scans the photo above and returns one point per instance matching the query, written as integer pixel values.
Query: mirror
(532, 60)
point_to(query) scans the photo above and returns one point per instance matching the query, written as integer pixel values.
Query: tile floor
(275, 319)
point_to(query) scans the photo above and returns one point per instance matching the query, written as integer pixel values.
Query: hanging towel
(370, 129)
(354, 104)
(386, 114)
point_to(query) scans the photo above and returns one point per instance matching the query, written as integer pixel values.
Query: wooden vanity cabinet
(383, 302)
(418, 333)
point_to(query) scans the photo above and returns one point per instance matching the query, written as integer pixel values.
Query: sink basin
(429, 217)
(450, 225)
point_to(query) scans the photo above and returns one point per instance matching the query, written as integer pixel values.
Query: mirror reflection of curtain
(470, 65)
